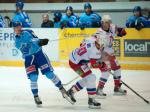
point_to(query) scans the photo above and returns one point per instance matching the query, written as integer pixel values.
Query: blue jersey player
(138, 20)
(89, 19)
(69, 20)
(21, 16)
(31, 49)
(57, 18)
(2, 23)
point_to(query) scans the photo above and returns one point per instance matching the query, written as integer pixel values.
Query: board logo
(137, 48)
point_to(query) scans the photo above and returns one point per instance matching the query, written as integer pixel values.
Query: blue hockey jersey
(23, 18)
(2, 23)
(89, 20)
(69, 21)
(131, 20)
(27, 43)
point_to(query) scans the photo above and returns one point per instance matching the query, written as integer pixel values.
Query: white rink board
(16, 96)
(8, 52)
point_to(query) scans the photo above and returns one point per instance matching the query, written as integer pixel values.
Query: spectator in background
(137, 21)
(89, 19)
(57, 18)
(69, 20)
(20, 15)
(2, 23)
(8, 22)
(46, 22)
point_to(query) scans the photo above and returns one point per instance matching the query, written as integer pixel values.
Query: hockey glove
(138, 24)
(121, 32)
(43, 42)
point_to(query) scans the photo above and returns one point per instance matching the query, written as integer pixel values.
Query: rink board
(132, 50)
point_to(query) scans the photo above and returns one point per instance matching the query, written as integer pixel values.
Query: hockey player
(110, 31)
(31, 49)
(78, 61)
(2, 23)
(137, 21)
(69, 19)
(89, 19)
(21, 16)
(57, 18)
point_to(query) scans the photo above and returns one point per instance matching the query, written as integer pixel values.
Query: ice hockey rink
(15, 94)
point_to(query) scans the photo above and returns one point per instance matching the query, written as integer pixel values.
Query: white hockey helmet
(106, 18)
(100, 38)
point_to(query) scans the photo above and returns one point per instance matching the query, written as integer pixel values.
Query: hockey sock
(117, 77)
(77, 87)
(34, 86)
(54, 79)
(91, 92)
(103, 79)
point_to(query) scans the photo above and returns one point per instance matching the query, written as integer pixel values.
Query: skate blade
(100, 97)
(119, 94)
(94, 107)
(68, 99)
(39, 105)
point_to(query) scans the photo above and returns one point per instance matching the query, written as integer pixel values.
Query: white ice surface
(15, 94)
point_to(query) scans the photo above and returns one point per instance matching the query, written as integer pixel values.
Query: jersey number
(82, 50)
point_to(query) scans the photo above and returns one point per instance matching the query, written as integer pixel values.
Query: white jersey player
(79, 59)
(110, 31)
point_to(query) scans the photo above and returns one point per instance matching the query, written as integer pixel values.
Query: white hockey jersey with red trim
(86, 52)
(110, 34)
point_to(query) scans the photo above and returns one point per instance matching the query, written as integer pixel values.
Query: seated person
(57, 18)
(2, 23)
(89, 19)
(137, 20)
(46, 22)
(69, 20)
(21, 15)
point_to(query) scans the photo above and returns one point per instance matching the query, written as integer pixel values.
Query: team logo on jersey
(31, 69)
(44, 66)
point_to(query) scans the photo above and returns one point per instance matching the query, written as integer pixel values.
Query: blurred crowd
(88, 19)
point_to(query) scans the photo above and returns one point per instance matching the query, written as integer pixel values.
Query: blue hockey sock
(33, 84)
(54, 79)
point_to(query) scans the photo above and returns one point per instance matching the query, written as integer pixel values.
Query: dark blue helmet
(137, 9)
(57, 14)
(16, 23)
(19, 4)
(69, 8)
(87, 5)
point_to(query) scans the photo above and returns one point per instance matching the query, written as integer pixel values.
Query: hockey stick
(132, 90)
(71, 81)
